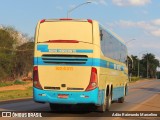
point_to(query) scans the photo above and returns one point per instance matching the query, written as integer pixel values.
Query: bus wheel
(103, 107)
(106, 105)
(121, 100)
(109, 101)
(54, 107)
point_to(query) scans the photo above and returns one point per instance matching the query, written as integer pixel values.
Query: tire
(103, 107)
(109, 101)
(121, 100)
(106, 105)
(56, 107)
(60, 107)
(126, 90)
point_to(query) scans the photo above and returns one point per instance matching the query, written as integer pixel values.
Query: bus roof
(85, 20)
(65, 19)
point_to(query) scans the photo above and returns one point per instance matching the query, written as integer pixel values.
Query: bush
(19, 82)
(3, 84)
(16, 54)
(134, 79)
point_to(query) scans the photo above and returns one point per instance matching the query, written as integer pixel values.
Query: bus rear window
(65, 30)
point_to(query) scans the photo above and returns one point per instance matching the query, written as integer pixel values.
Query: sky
(135, 21)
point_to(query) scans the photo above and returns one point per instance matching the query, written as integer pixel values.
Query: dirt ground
(151, 104)
(16, 87)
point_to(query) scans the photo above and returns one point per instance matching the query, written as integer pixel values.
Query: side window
(123, 53)
(112, 47)
(109, 45)
(101, 35)
(102, 41)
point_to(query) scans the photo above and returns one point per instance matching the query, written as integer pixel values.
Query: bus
(78, 62)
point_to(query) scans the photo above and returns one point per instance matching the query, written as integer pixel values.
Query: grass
(18, 82)
(15, 94)
(9, 83)
(3, 84)
(133, 79)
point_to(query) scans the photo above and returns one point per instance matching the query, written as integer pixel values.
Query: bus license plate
(64, 96)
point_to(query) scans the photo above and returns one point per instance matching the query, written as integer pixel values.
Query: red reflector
(42, 21)
(35, 68)
(94, 70)
(65, 19)
(63, 41)
(89, 20)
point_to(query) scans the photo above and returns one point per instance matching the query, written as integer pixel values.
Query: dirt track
(16, 87)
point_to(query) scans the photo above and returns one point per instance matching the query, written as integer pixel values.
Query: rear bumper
(74, 97)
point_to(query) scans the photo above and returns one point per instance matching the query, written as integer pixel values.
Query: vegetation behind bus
(147, 59)
(16, 58)
(16, 55)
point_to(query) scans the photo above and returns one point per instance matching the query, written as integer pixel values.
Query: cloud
(131, 2)
(156, 22)
(156, 33)
(1, 27)
(102, 2)
(151, 45)
(151, 27)
(72, 6)
(144, 12)
(59, 7)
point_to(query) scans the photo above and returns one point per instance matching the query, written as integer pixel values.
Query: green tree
(150, 63)
(135, 65)
(16, 53)
(6, 54)
(24, 59)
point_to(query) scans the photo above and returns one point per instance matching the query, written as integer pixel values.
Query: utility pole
(129, 41)
(69, 11)
(147, 65)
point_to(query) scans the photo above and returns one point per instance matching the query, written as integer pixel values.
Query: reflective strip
(44, 48)
(94, 62)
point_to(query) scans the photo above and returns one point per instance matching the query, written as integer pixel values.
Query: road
(143, 95)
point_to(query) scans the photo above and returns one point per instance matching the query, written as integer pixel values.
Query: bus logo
(62, 50)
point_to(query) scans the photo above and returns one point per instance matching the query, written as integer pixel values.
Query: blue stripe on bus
(73, 97)
(44, 48)
(111, 65)
(118, 92)
(90, 62)
(84, 51)
(96, 62)
(95, 96)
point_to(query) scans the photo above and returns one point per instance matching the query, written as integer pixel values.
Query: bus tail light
(36, 82)
(42, 21)
(89, 20)
(93, 80)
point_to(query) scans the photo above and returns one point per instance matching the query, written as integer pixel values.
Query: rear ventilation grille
(64, 59)
(53, 88)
